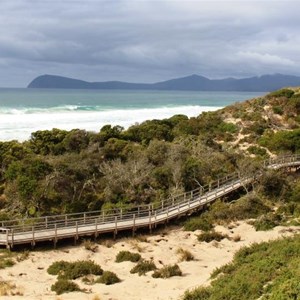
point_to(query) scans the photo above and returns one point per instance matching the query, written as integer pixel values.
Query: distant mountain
(189, 83)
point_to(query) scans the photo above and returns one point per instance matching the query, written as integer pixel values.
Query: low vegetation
(185, 255)
(127, 256)
(62, 286)
(74, 270)
(9, 259)
(269, 270)
(143, 267)
(108, 278)
(167, 272)
(211, 236)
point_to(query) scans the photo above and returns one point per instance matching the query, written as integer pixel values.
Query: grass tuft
(143, 266)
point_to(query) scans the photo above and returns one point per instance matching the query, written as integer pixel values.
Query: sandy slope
(32, 280)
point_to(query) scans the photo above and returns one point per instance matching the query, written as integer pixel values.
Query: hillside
(59, 171)
(192, 83)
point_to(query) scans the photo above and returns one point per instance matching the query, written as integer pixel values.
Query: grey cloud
(147, 40)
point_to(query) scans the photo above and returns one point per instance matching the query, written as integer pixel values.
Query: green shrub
(167, 271)
(277, 110)
(73, 270)
(198, 223)
(127, 256)
(266, 222)
(201, 293)
(282, 93)
(249, 206)
(257, 151)
(108, 278)
(64, 286)
(267, 271)
(211, 236)
(57, 267)
(286, 290)
(143, 266)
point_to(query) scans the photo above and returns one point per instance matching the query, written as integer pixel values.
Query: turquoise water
(23, 111)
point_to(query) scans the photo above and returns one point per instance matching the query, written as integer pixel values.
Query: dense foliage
(59, 171)
(261, 271)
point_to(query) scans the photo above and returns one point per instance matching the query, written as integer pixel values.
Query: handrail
(142, 215)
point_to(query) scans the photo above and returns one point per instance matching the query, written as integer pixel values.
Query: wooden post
(96, 228)
(155, 218)
(84, 217)
(55, 235)
(33, 240)
(77, 235)
(116, 227)
(46, 222)
(150, 225)
(66, 220)
(7, 239)
(12, 237)
(133, 227)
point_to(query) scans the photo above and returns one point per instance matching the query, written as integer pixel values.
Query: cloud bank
(147, 41)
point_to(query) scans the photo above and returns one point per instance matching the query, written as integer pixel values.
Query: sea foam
(19, 123)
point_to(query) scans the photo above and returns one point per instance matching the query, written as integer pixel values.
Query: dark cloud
(147, 40)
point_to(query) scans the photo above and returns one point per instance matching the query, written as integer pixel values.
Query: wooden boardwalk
(53, 228)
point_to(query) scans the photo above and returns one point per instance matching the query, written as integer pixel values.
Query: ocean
(23, 111)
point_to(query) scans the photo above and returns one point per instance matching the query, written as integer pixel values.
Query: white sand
(32, 279)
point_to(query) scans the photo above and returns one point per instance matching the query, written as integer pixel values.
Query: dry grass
(90, 246)
(107, 243)
(9, 289)
(185, 255)
(137, 246)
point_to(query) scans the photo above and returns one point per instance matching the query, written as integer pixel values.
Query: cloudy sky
(147, 40)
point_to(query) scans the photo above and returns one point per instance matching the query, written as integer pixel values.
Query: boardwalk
(53, 228)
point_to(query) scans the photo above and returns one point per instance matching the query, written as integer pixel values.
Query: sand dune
(31, 278)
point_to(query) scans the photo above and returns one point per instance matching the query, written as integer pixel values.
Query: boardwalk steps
(53, 228)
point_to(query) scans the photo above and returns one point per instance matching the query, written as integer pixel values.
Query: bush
(266, 222)
(257, 151)
(167, 271)
(269, 270)
(57, 267)
(249, 206)
(277, 110)
(64, 286)
(211, 236)
(198, 223)
(143, 267)
(282, 93)
(108, 278)
(73, 270)
(127, 256)
(185, 255)
(201, 293)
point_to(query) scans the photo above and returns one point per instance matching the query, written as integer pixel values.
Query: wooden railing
(32, 230)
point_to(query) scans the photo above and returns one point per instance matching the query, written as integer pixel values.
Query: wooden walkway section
(54, 228)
